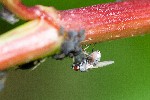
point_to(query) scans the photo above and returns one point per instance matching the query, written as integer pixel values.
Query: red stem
(21, 10)
(109, 21)
(31, 13)
(100, 22)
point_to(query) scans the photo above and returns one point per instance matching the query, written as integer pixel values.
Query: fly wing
(104, 63)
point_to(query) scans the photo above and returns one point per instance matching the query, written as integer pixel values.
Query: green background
(127, 79)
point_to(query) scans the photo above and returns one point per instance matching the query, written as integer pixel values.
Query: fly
(89, 62)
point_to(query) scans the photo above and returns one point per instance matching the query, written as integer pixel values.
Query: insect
(32, 65)
(71, 46)
(89, 62)
(8, 16)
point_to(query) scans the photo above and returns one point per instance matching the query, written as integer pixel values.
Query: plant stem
(31, 41)
(31, 13)
(40, 37)
(109, 21)
(101, 22)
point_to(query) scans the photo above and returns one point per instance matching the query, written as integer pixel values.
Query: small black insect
(31, 65)
(71, 46)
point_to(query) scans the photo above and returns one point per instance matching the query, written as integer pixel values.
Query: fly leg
(32, 65)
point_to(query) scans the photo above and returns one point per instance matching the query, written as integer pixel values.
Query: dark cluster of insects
(81, 59)
(72, 48)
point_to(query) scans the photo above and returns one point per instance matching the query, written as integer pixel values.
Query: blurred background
(127, 79)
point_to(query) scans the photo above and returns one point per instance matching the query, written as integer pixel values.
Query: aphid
(90, 62)
(71, 46)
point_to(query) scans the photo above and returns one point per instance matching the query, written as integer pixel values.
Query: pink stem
(34, 40)
(101, 22)
(109, 21)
